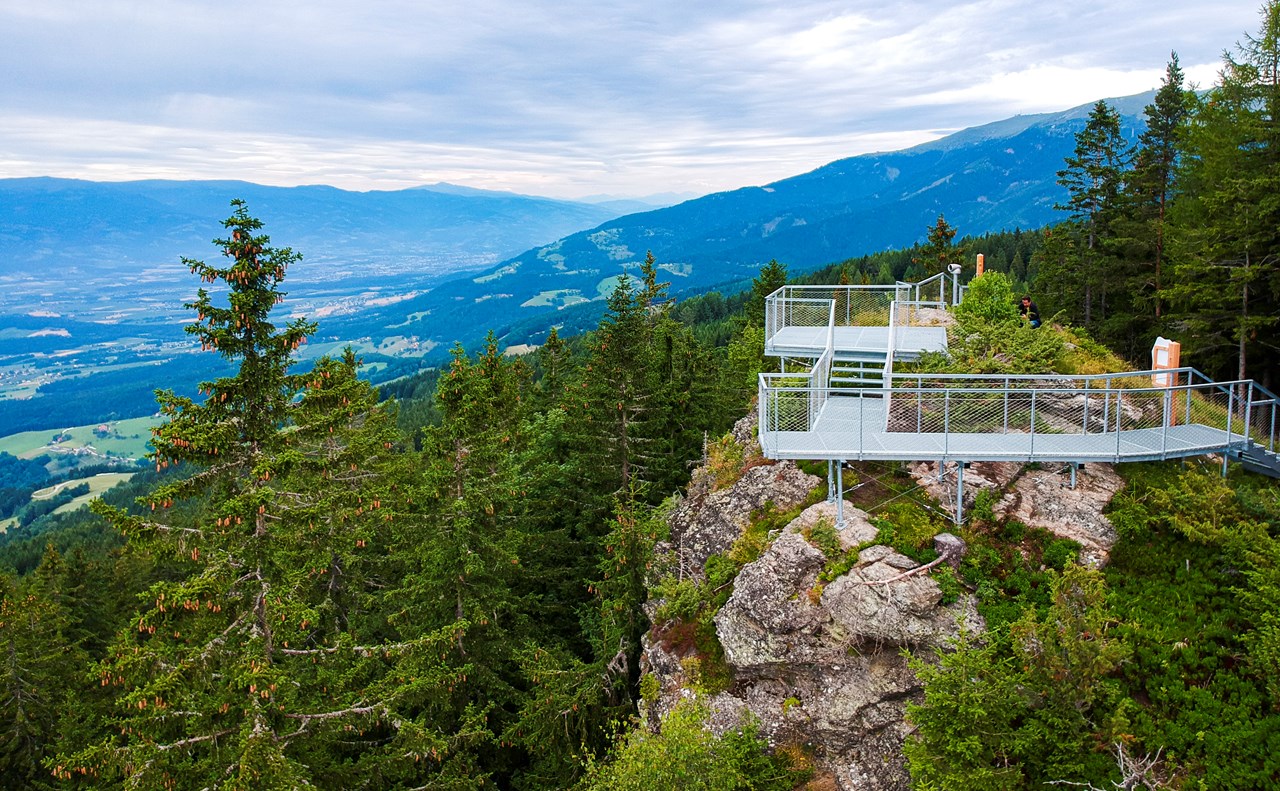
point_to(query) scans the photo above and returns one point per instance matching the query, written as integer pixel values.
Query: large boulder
(821, 665)
(709, 522)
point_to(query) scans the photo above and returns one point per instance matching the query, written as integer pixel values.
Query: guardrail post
(840, 494)
(946, 421)
(1032, 452)
(862, 411)
(1164, 423)
(1187, 417)
(1106, 406)
(919, 404)
(1271, 445)
(1231, 409)
(1119, 414)
(1084, 426)
(1006, 405)
(1248, 416)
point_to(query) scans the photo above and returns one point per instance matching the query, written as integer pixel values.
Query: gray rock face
(771, 620)
(878, 603)
(1039, 498)
(857, 528)
(1044, 499)
(707, 522)
(821, 665)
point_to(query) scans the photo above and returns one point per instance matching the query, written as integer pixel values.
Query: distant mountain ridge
(91, 311)
(123, 225)
(998, 176)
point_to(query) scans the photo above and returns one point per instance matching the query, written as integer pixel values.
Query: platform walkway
(1122, 417)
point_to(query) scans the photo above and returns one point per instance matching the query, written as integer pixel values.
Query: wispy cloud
(564, 98)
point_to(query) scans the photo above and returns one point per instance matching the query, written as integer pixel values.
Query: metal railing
(1115, 416)
(816, 383)
(852, 306)
(941, 289)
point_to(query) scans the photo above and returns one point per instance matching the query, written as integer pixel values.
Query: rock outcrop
(1041, 498)
(818, 665)
(814, 645)
(708, 520)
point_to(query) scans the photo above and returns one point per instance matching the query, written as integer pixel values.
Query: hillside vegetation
(313, 586)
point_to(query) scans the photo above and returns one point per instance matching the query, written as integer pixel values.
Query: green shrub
(1061, 552)
(948, 583)
(823, 535)
(685, 755)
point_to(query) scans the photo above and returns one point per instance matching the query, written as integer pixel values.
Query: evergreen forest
(442, 584)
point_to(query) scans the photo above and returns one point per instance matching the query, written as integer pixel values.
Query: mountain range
(93, 285)
(988, 178)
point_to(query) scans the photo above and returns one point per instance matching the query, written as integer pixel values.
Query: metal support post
(959, 492)
(831, 480)
(840, 494)
(1074, 466)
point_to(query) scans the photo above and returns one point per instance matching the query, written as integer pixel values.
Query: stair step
(1256, 458)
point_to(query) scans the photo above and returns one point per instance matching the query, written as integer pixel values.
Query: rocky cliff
(813, 645)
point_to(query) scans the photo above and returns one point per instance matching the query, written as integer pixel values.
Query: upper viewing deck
(797, 319)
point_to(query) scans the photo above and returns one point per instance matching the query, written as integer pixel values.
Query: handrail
(890, 351)
(1232, 421)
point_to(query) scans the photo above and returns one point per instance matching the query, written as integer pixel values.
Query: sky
(560, 98)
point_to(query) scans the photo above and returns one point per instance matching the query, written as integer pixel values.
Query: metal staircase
(1256, 458)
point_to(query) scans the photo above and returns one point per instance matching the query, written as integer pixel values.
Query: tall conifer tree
(1094, 177)
(1229, 221)
(254, 668)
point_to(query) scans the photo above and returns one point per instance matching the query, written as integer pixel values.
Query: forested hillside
(315, 586)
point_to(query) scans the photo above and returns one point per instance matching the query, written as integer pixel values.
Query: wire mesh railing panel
(1263, 416)
(787, 409)
(855, 306)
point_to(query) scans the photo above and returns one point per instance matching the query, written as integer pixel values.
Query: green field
(97, 485)
(559, 298)
(126, 438)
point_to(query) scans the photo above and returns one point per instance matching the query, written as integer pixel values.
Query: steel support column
(840, 494)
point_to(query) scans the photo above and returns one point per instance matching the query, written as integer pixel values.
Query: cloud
(561, 98)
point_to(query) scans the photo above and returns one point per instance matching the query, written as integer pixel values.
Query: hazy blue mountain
(91, 314)
(130, 225)
(998, 176)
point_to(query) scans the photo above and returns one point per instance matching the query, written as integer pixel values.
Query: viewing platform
(819, 412)
(860, 318)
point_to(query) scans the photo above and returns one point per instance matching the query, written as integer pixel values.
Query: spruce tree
(263, 663)
(1228, 222)
(1094, 177)
(1153, 182)
(939, 250)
